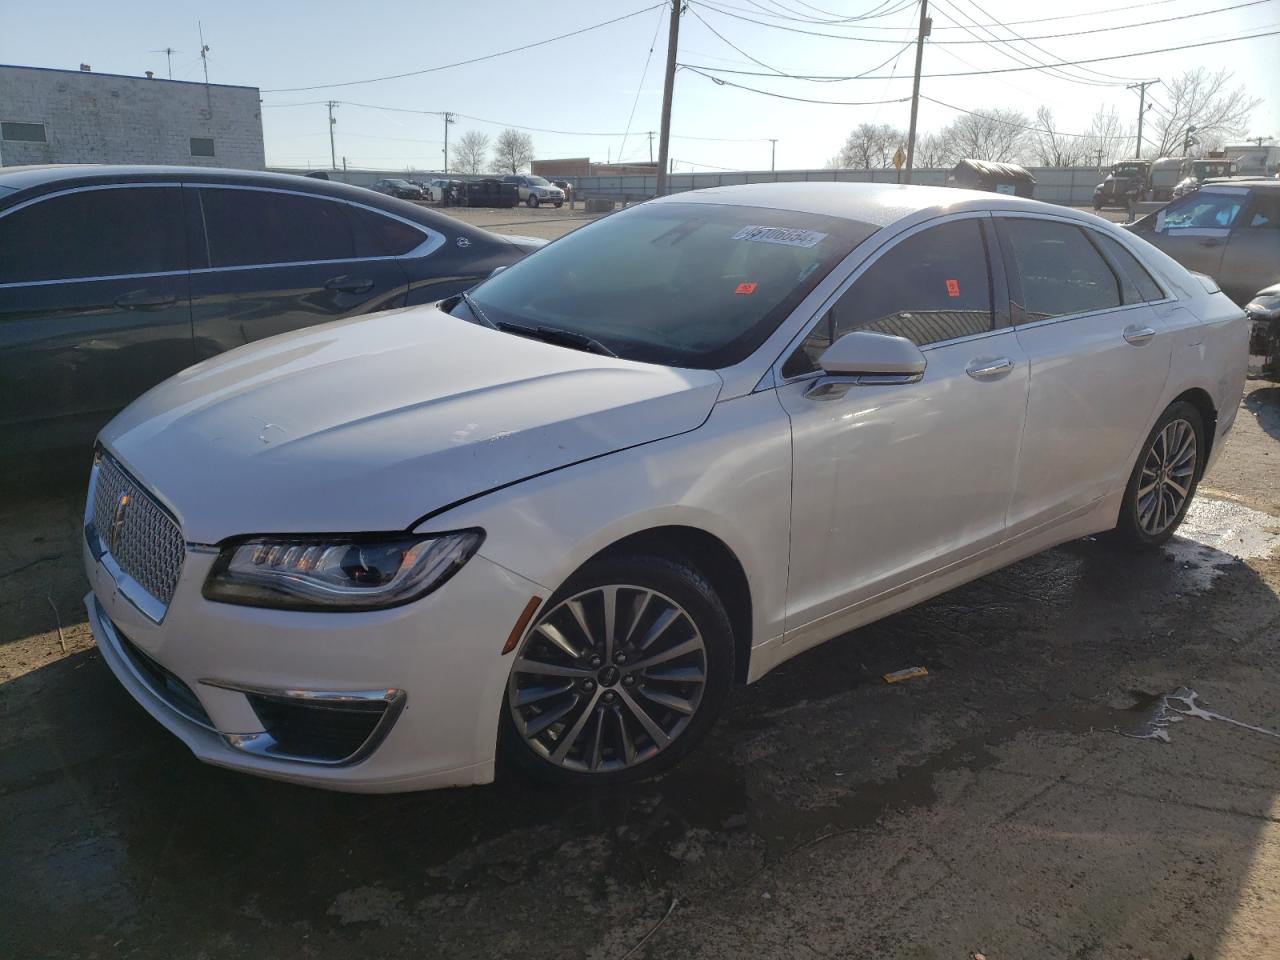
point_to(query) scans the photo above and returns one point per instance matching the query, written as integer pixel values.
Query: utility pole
(333, 153)
(926, 27)
(448, 119)
(1100, 152)
(773, 153)
(668, 88)
(204, 52)
(651, 146)
(1142, 110)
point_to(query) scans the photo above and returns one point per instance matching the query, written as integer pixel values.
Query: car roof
(877, 204)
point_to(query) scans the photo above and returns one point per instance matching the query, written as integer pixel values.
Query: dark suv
(114, 278)
(402, 189)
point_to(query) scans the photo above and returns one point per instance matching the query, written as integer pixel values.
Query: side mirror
(862, 358)
(498, 270)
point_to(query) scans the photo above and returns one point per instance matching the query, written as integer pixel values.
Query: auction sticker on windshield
(788, 236)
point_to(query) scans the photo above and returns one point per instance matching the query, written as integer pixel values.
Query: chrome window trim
(85, 188)
(853, 278)
(433, 242)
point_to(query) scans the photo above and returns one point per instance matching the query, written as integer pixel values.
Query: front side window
(1200, 210)
(251, 227)
(933, 286)
(1060, 271)
(685, 284)
(94, 233)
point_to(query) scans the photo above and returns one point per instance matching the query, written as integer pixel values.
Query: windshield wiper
(563, 338)
(477, 312)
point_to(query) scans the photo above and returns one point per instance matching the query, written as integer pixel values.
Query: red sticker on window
(746, 288)
(953, 288)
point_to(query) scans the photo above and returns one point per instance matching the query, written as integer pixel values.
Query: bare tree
(1197, 108)
(513, 151)
(999, 133)
(869, 146)
(1109, 138)
(1052, 148)
(935, 151)
(471, 151)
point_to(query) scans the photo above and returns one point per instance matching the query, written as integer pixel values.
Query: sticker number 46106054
(788, 236)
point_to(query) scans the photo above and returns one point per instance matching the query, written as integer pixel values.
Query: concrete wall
(106, 118)
(1068, 185)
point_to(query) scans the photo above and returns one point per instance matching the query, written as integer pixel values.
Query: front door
(1194, 229)
(94, 310)
(891, 482)
(1099, 361)
(278, 261)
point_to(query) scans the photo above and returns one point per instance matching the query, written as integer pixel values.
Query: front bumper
(434, 665)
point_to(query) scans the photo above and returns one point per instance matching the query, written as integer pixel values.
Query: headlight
(338, 573)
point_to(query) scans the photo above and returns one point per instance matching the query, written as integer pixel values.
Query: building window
(26, 132)
(202, 146)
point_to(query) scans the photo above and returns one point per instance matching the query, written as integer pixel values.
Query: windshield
(684, 284)
(400, 183)
(1126, 170)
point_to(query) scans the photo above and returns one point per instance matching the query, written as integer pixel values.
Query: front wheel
(623, 673)
(532, 201)
(1164, 478)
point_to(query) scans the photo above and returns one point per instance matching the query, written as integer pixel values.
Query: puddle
(1174, 708)
(1214, 528)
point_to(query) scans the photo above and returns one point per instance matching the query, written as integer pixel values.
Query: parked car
(435, 189)
(559, 516)
(1126, 184)
(1264, 316)
(402, 189)
(565, 187)
(1197, 171)
(114, 278)
(1228, 229)
(536, 190)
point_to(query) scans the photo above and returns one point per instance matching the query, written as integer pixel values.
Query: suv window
(1138, 284)
(1203, 209)
(94, 233)
(932, 286)
(260, 227)
(1060, 271)
(1265, 211)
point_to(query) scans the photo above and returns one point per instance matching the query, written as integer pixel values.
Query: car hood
(369, 424)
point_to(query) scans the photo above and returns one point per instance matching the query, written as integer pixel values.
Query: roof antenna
(168, 52)
(204, 52)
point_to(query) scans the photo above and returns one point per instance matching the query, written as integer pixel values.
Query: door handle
(1138, 335)
(1210, 242)
(345, 284)
(146, 300)
(989, 368)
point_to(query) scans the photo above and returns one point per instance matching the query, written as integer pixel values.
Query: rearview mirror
(865, 358)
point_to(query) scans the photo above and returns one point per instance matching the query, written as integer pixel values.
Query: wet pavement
(1013, 802)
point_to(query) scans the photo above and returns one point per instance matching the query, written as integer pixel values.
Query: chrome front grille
(135, 531)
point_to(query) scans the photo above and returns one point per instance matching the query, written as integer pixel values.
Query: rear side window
(931, 287)
(245, 227)
(94, 233)
(381, 236)
(1140, 285)
(1060, 271)
(1265, 212)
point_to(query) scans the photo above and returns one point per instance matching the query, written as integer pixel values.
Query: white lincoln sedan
(550, 523)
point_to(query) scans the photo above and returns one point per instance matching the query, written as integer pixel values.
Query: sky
(600, 84)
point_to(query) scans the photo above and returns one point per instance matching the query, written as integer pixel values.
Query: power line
(462, 63)
(1011, 23)
(781, 96)
(640, 87)
(977, 73)
(1007, 123)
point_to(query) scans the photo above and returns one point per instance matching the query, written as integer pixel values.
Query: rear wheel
(623, 673)
(1164, 478)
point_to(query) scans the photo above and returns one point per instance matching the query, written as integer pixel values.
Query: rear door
(94, 309)
(1099, 360)
(893, 481)
(274, 260)
(1252, 259)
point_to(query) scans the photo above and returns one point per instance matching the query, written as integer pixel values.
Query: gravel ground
(1050, 789)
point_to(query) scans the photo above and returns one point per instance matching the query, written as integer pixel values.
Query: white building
(77, 116)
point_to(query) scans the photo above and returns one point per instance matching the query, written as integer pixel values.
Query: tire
(596, 735)
(532, 202)
(559, 205)
(1145, 522)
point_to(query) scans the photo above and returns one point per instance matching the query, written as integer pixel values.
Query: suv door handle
(345, 284)
(146, 299)
(1211, 242)
(1138, 335)
(989, 368)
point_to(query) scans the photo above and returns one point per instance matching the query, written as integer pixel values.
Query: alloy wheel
(1168, 472)
(608, 679)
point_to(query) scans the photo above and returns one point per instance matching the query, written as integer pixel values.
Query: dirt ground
(1042, 793)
